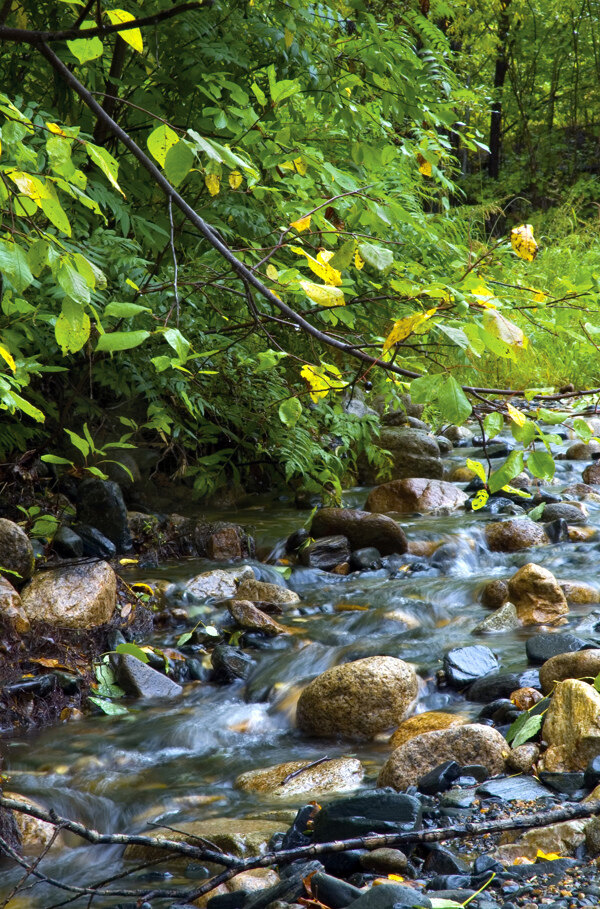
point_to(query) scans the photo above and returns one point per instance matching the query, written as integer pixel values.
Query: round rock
(537, 595)
(298, 777)
(361, 528)
(415, 495)
(431, 721)
(494, 594)
(512, 536)
(81, 596)
(16, 551)
(542, 647)
(358, 699)
(580, 665)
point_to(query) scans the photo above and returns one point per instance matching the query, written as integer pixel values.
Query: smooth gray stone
(141, 681)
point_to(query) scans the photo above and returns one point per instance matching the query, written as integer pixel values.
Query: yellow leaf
(404, 327)
(482, 291)
(539, 295)
(7, 357)
(320, 267)
(56, 129)
(323, 294)
(301, 224)
(479, 499)
(359, 262)
(235, 179)
(128, 561)
(517, 416)
(30, 186)
(132, 36)
(301, 166)
(523, 242)
(272, 273)
(503, 329)
(322, 379)
(425, 169)
(288, 38)
(324, 255)
(547, 856)
(478, 469)
(141, 586)
(213, 184)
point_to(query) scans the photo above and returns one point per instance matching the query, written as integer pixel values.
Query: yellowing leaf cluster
(503, 329)
(323, 294)
(322, 379)
(213, 184)
(517, 416)
(406, 326)
(320, 266)
(301, 224)
(523, 242)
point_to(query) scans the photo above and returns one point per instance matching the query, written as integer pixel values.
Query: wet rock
(16, 551)
(243, 837)
(67, 543)
(578, 593)
(582, 451)
(296, 539)
(572, 726)
(222, 541)
(512, 536)
(582, 491)
(440, 779)
(493, 686)
(592, 773)
(523, 758)
(374, 811)
(542, 647)
(357, 699)
(80, 596)
(141, 681)
(557, 531)
(468, 744)
(361, 529)
(537, 596)
(579, 665)
(565, 511)
(513, 789)
(11, 608)
(365, 559)
(263, 592)
(384, 861)
(391, 896)
(407, 496)
(441, 860)
(220, 584)
(458, 435)
(582, 534)
(35, 834)
(462, 475)
(494, 594)
(95, 544)
(431, 721)
(591, 474)
(504, 619)
(525, 698)
(415, 453)
(466, 664)
(100, 504)
(332, 892)
(325, 553)
(249, 617)
(230, 663)
(570, 784)
(297, 777)
(562, 839)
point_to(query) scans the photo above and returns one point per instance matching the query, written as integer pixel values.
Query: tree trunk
(499, 77)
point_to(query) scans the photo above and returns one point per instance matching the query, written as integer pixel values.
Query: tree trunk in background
(499, 77)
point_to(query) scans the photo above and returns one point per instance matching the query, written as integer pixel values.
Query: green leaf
(81, 444)
(493, 424)
(15, 401)
(96, 472)
(453, 402)
(478, 469)
(524, 434)
(86, 49)
(179, 161)
(511, 468)
(14, 264)
(378, 257)
(133, 650)
(541, 464)
(596, 682)
(55, 214)
(184, 638)
(211, 631)
(72, 328)
(289, 411)
(426, 388)
(160, 141)
(581, 427)
(55, 459)
(552, 417)
(121, 340)
(107, 164)
(72, 281)
(524, 728)
(124, 310)
(536, 513)
(108, 707)
(344, 255)
(175, 339)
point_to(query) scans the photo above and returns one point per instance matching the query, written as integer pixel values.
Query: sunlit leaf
(404, 327)
(523, 242)
(323, 294)
(132, 36)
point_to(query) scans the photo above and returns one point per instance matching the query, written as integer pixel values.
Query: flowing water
(175, 762)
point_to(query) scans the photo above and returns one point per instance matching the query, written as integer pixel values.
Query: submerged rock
(361, 529)
(326, 553)
(80, 596)
(297, 777)
(16, 551)
(431, 721)
(512, 536)
(415, 495)
(357, 699)
(248, 616)
(572, 726)
(464, 665)
(263, 592)
(468, 744)
(537, 596)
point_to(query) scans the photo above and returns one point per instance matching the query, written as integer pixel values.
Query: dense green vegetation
(366, 161)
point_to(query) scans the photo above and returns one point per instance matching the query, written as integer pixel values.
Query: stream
(177, 761)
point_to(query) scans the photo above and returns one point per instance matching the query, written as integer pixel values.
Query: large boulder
(222, 541)
(511, 536)
(295, 778)
(415, 495)
(80, 596)
(537, 595)
(582, 664)
(100, 504)
(11, 608)
(358, 699)
(431, 721)
(468, 744)
(414, 453)
(572, 727)
(16, 551)
(360, 528)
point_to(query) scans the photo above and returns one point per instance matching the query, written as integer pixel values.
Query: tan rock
(432, 721)
(582, 451)
(572, 726)
(299, 777)
(582, 491)
(462, 475)
(11, 607)
(578, 593)
(523, 758)
(537, 596)
(248, 616)
(504, 619)
(562, 839)
(243, 837)
(525, 698)
(582, 534)
(514, 535)
(423, 547)
(358, 699)
(494, 594)
(35, 834)
(16, 551)
(361, 529)
(80, 596)
(415, 495)
(262, 592)
(468, 744)
(591, 474)
(250, 881)
(583, 664)
(220, 584)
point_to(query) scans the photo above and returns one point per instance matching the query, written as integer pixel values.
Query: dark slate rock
(496, 710)
(557, 531)
(377, 811)
(365, 559)
(95, 544)
(296, 540)
(288, 889)
(68, 682)
(295, 835)
(332, 891)
(503, 505)
(571, 784)
(100, 503)
(441, 860)
(565, 511)
(485, 863)
(391, 896)
(494, 686)
(140, 680)
(541, 647)
(513, 788)
(41, 684)
(230, 663)
(235, 900)
(439, 779)
(449, 882)
(592, 773)
(67, 543)
(343, 864)
(466, 664)
(556, 867)
(325, 553)
(477, 771)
